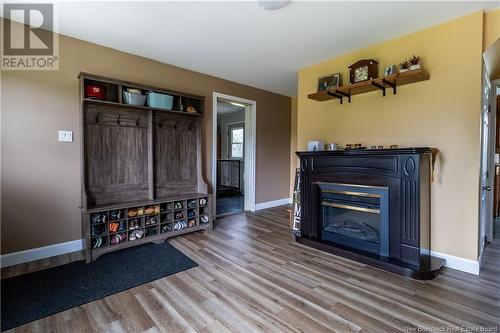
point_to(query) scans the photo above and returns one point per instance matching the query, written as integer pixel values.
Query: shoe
(131, 236)
(97, 242)
(204, 219)
(139, 233)
(116, 215)
(203, 202)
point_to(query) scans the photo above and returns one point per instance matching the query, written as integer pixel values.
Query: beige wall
(443, 112)
(293, 144)
(40, 186)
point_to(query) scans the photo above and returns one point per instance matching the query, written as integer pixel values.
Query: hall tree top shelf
(114, 89)
(381, 83)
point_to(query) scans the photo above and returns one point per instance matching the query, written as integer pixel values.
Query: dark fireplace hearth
(372, 206)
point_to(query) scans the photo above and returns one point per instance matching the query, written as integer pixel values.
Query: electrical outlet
(65, 136)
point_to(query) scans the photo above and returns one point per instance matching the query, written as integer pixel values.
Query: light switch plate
(65, 136)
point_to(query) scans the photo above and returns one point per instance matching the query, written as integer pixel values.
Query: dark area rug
(32, 296)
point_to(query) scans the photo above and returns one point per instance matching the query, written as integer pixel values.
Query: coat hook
(118, 119)
(190, 126)
(175, 126)
(137, 121)
(160, 124)
(97, 118)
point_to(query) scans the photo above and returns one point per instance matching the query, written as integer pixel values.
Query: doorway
(489, 196)
(233, 168)
(493, 230)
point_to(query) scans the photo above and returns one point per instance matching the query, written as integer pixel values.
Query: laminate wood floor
(252, 277)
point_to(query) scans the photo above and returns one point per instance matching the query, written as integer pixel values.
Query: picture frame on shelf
(390, 70)
(329, 81)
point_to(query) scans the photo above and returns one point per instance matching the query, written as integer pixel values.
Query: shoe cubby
(179, 215)
(117, 238)
(167, 227)
(166, 207)
(117, 214)
(99, 230)
(99, 218)
(203, 202)
(136, 234)
(129, 226)
(98, 242)
(167, 217)
(151, 231)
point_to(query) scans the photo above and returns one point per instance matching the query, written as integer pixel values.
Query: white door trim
(493, 102)
(250, 143)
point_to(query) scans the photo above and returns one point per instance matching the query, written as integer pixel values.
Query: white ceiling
(226, 107)
(242, 42)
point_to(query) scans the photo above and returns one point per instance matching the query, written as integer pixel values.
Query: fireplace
(355, 216)
(372, 206)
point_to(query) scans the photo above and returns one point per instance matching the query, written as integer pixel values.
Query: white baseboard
(461, 264)
(20, 257)
(275, 203)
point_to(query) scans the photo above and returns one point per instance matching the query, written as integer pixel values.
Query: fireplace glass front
(355, 217)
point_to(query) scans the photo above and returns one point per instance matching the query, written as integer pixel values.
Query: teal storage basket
(157, 100)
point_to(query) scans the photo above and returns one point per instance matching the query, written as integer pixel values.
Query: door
(487, 151)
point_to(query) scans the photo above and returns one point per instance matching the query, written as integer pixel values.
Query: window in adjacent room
(236, 141)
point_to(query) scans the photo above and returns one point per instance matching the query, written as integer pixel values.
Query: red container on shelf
(94, 91)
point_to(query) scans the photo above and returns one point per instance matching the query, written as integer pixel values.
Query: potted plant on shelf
(414, 62)
(404, 65)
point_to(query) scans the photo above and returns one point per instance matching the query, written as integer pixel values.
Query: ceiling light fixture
(238, 104)
(272, 4)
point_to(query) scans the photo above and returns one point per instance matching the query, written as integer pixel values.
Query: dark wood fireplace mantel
(404, 173)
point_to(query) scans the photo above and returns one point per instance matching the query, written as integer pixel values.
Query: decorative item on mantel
(363, 70)
(316, 145)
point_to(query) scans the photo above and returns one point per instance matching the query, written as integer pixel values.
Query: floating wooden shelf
(382, 83)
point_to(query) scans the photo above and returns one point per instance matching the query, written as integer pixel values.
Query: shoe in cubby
(150, 221)
(116, 214)
(118, 238)
(98, 218)
(98, 230)
(98, 242)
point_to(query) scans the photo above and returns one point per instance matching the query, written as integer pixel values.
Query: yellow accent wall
(443, 112)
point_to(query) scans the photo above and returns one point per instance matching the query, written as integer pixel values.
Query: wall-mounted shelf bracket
(393, 85)
(380, 86)
(348, 95)
(334, 94)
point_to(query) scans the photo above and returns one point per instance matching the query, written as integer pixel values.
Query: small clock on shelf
(363, 70)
